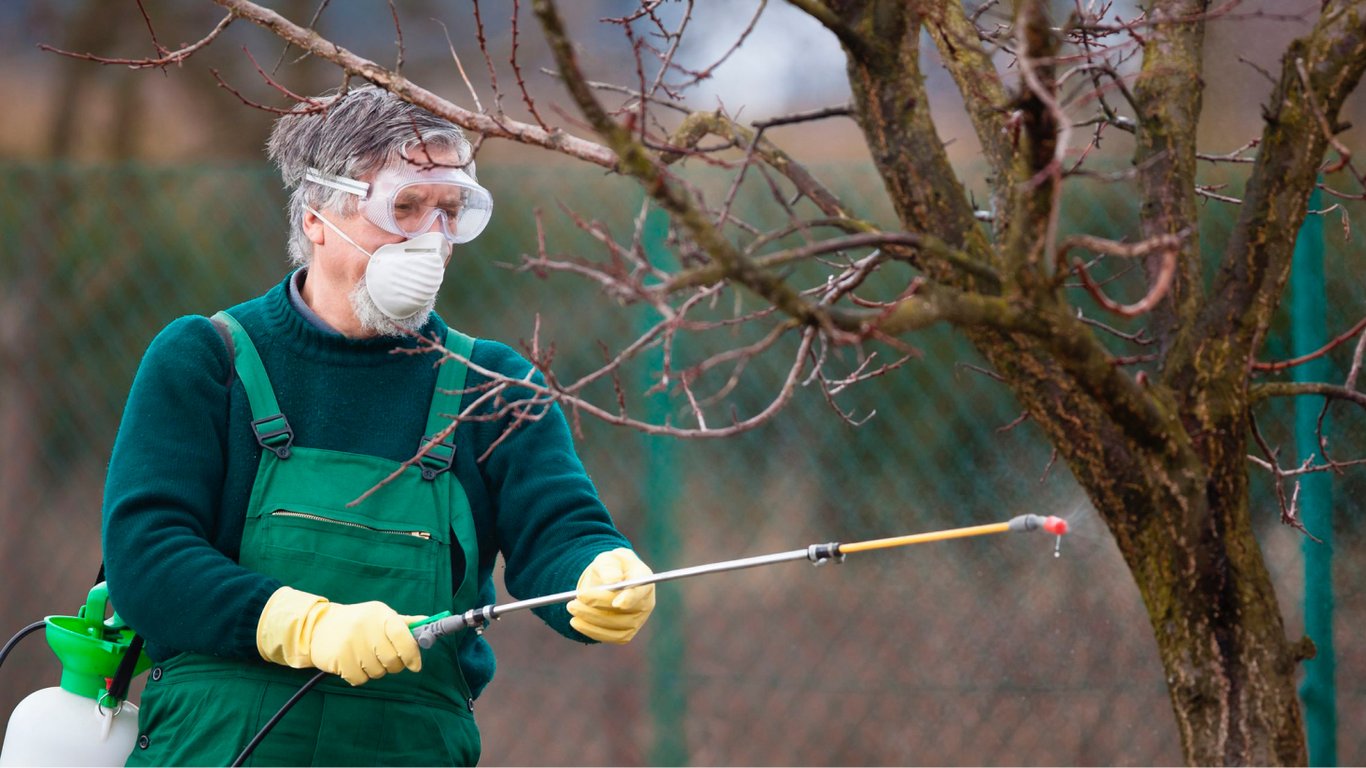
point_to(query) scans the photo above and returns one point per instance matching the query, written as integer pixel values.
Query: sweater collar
(315, 338)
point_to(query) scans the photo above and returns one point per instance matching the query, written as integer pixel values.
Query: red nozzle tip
(1055, 525)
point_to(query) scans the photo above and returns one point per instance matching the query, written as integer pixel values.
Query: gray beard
(375, 321)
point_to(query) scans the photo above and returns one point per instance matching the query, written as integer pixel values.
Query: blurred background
(130, 198)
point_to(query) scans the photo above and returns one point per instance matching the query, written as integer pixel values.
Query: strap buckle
(274, 434)
(439, 458)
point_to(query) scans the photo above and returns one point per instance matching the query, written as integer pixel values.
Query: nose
(440, 222)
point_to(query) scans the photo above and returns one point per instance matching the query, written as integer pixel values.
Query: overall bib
(395, 547)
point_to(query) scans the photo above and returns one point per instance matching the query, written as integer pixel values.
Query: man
(232, 540)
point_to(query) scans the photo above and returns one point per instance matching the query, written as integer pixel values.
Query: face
(336, 260)
(338, 267)
(342, 262)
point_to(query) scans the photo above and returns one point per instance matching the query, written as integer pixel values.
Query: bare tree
(1158, 433)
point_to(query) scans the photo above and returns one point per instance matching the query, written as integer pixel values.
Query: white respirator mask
(402, 278)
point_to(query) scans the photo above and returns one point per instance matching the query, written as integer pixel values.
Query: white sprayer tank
(56, 727)
(80, 722)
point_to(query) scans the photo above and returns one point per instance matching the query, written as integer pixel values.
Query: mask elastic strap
(334, 228)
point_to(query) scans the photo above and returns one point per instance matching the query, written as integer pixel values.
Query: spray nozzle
(1051, 524)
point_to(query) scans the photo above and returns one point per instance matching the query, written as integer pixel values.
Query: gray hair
(360, 132)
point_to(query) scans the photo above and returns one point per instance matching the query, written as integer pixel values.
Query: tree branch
(1257, 258)
(405, 89)
(1320, 352)
(635, 161)
(933, 303)
(984, 95)
(930, 247)
(713, 273)
(699, 124)
(830, 20)
(890, 97)
(1033, 194)
(1167, 246)
(1259, 392)
(1167, 100)
(166, 59)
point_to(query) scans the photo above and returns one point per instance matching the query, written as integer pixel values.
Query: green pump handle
(90, 647)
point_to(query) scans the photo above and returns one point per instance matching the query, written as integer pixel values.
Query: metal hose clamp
(820, 554)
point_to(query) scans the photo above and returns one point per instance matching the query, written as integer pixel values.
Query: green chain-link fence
(987, 651)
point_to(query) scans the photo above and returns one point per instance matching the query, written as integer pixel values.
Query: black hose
(123, 675)
(256, 740)
(23, 633)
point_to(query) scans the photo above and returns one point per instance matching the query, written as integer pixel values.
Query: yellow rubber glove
(360, 642)
(612, 617)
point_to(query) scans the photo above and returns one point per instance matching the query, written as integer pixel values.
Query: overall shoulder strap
(440, 457)
(271, 427)
(450, 385)
(226, 336)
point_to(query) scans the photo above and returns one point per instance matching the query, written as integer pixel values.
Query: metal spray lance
(429, 629)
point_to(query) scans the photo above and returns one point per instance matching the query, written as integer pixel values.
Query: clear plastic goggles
(408, 201)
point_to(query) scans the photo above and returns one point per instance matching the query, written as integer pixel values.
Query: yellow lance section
(921, 538)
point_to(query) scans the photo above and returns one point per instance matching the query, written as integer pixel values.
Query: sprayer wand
(429, 629)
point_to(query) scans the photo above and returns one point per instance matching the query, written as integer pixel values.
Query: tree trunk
(1184, 529)
(1230, 669)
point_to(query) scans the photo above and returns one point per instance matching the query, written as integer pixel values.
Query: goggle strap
(341, 183)
(334, 228)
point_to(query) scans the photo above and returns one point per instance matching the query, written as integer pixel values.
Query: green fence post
(668, 693)
(1309, 332)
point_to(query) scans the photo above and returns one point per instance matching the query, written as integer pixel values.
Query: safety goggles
(408, 201)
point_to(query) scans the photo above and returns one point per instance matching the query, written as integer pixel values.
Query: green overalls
(395, 546)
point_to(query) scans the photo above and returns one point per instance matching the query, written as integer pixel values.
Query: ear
(314, 228)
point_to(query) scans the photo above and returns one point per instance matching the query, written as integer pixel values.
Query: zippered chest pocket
(351, 559)
(414, 532)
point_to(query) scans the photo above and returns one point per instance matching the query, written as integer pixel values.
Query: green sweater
(185, 459)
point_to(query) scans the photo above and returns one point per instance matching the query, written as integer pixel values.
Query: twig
(802, 117)
(706, 73)
(312, 25)
(1344, 154)
(1137, 338)
(517, 68)
(151, 32)
(1355, 370)
(1236, 156)
(173, 57)
(1320, 352)
(1290, 507)
(543, 394)
(1259, 69)
(981, 9)
(314, 106)
(1260, 392)
(1169, 244)
(981, 370)
(398, 30)
(460, 67)
(488, 60)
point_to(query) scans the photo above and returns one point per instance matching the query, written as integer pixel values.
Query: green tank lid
(91, 647)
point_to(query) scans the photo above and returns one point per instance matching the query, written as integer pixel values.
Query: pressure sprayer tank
(79, 722)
